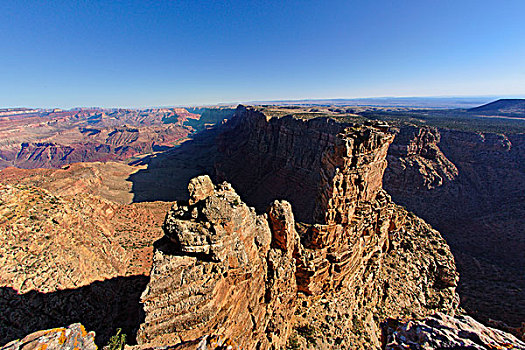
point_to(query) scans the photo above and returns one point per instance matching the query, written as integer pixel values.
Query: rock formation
(268, 158)
(441, 331)
(231, 277)
(416, 162)
(73, 337)
(266, 280)
(320, 261)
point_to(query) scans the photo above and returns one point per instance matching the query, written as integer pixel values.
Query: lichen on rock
(74, 337)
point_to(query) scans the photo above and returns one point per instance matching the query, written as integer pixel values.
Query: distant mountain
(506, 107)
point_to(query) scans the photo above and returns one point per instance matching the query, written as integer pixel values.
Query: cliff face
(323, 174)
(416, 163)
(471, 190)
(324, 283)
(273, 158)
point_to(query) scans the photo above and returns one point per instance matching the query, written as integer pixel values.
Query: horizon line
(517, 96)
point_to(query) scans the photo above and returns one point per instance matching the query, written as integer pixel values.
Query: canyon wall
(273, 158)
(469, 186)
(263, 279)
(54, 139)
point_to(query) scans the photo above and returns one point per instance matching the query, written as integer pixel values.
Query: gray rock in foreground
(446, 332)
(73, 337)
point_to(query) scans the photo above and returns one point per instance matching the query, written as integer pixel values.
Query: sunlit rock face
(222, 269)
(73, 337)
(265, 280)
(442, 331)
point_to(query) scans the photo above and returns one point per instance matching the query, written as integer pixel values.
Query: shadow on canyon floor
(169, 172)
(102, 306)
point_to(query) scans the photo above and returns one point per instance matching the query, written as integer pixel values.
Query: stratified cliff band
(265, 280)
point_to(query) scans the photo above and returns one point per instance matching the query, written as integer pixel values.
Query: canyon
(54, 138)
(301, 244)
(468, 185)
(364, 258)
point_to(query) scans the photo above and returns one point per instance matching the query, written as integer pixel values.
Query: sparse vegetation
(117, 341)
(450, 119)
(308, 332)
(293, 343)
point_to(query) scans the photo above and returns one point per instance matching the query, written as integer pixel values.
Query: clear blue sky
(154, 53)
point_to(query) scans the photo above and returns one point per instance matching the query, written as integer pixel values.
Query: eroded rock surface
(471, 190)
(441, 331)
(73, 337)
(274, 158)
(231, 278)
(267, 281)
(49, 242)
(416, 162)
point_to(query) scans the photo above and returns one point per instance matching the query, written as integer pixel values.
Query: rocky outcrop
(441, 331)
(236, 270)
(416, 162)
(357, 259)
(232, 277)
(414, 275)
(73, 337)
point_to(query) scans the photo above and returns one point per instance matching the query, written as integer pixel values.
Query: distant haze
(414, 102)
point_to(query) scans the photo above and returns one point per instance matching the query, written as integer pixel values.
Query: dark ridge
(508, 107)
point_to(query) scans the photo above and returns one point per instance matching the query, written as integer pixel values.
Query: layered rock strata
(262, 280)
(416, 162)
(222, 270)
(268, 158)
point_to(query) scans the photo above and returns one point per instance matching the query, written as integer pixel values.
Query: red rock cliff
(265, 280)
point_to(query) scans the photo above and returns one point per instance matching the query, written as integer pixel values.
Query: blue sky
(161, 53)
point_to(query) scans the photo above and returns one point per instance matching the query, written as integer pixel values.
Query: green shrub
(117, 341)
